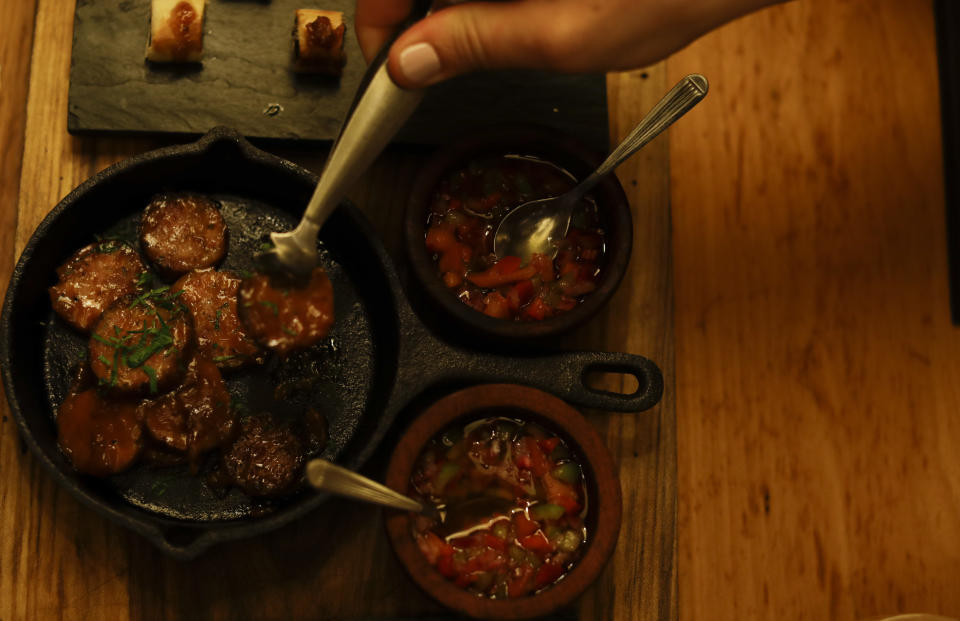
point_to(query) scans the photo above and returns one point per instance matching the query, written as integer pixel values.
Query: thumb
(476, 35)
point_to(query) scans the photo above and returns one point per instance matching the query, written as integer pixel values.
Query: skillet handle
(565, 375)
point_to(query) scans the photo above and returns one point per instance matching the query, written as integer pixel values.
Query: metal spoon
(378, 112)
(332, 478)
(329, 477)
(537, 226)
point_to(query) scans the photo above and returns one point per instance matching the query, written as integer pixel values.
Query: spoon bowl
(537, 227)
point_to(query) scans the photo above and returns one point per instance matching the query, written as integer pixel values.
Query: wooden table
(816, 387)
(335, 563)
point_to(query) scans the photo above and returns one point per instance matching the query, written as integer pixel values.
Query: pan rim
(149, 524)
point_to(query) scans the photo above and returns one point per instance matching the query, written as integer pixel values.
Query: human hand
(571, 36)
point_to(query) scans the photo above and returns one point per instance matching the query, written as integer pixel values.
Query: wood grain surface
(60, 559)
(818, 374)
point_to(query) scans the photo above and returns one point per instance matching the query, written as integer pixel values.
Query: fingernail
(419, 62)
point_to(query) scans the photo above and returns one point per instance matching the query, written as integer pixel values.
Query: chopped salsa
(510, 504)
(466, 209)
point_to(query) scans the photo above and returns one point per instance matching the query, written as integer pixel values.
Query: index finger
(376, 20)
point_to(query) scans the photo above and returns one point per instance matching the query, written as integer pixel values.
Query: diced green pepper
(568, 472)
(516, 553)
(445, 475)
(546, 511)
(501, 529)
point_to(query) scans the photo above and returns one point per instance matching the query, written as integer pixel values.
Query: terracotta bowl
(546, 144)
(603, 493)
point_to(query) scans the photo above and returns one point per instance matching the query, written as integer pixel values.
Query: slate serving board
(245, 82)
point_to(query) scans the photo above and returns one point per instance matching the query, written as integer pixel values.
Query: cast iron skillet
(378, 358)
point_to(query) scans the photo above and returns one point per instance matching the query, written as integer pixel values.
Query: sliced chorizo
(92, 279)
(211, 422)
(211, 298)
(286, 318)
(183, 232)
(141, 345)
(100, 436)
(165, 421)
(266, 459)
(196, 417)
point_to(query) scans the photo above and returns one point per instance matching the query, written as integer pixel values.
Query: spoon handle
(329, 477)
(686, 94)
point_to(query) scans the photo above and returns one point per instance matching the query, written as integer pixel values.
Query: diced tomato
(537, 310)
(519, 294)
(520, 584)
(492, 541)
(544, 266)
(560, 493)
(454, 258)
(538, 461)
(495, 305)
(547, 574)
(463, 580)
(524, 525)
(433, 547)
(566, 303)
(590, 254)
(506, 265)
(548, 444)
(537, 542)
(455, 203)
(439, 238)
(488, 560)
(490, 201)
(504, 271)
(452, 279)
(446, 566)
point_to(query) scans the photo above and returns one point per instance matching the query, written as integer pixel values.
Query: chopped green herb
(271, 306)
(104, 360)
(265, 246)
(218, 315)
(158, 488)
(107, 341)
(223, 358)
(246, 274)
(152, 375)
(289, 331)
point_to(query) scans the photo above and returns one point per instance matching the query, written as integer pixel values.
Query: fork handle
(380, 112)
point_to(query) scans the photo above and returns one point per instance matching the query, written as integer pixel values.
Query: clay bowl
(546, 144)
(603, 493)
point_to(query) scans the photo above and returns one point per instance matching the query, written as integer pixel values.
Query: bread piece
(318, 42)
(176, 31)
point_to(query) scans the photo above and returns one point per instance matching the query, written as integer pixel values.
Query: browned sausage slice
(180, 233)
(100, 437)
(210, 419)
(196, 417)
(266, 459)
(211, 297)
(287, 318)
(141, 346)
(92, 279)
(165, 420)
